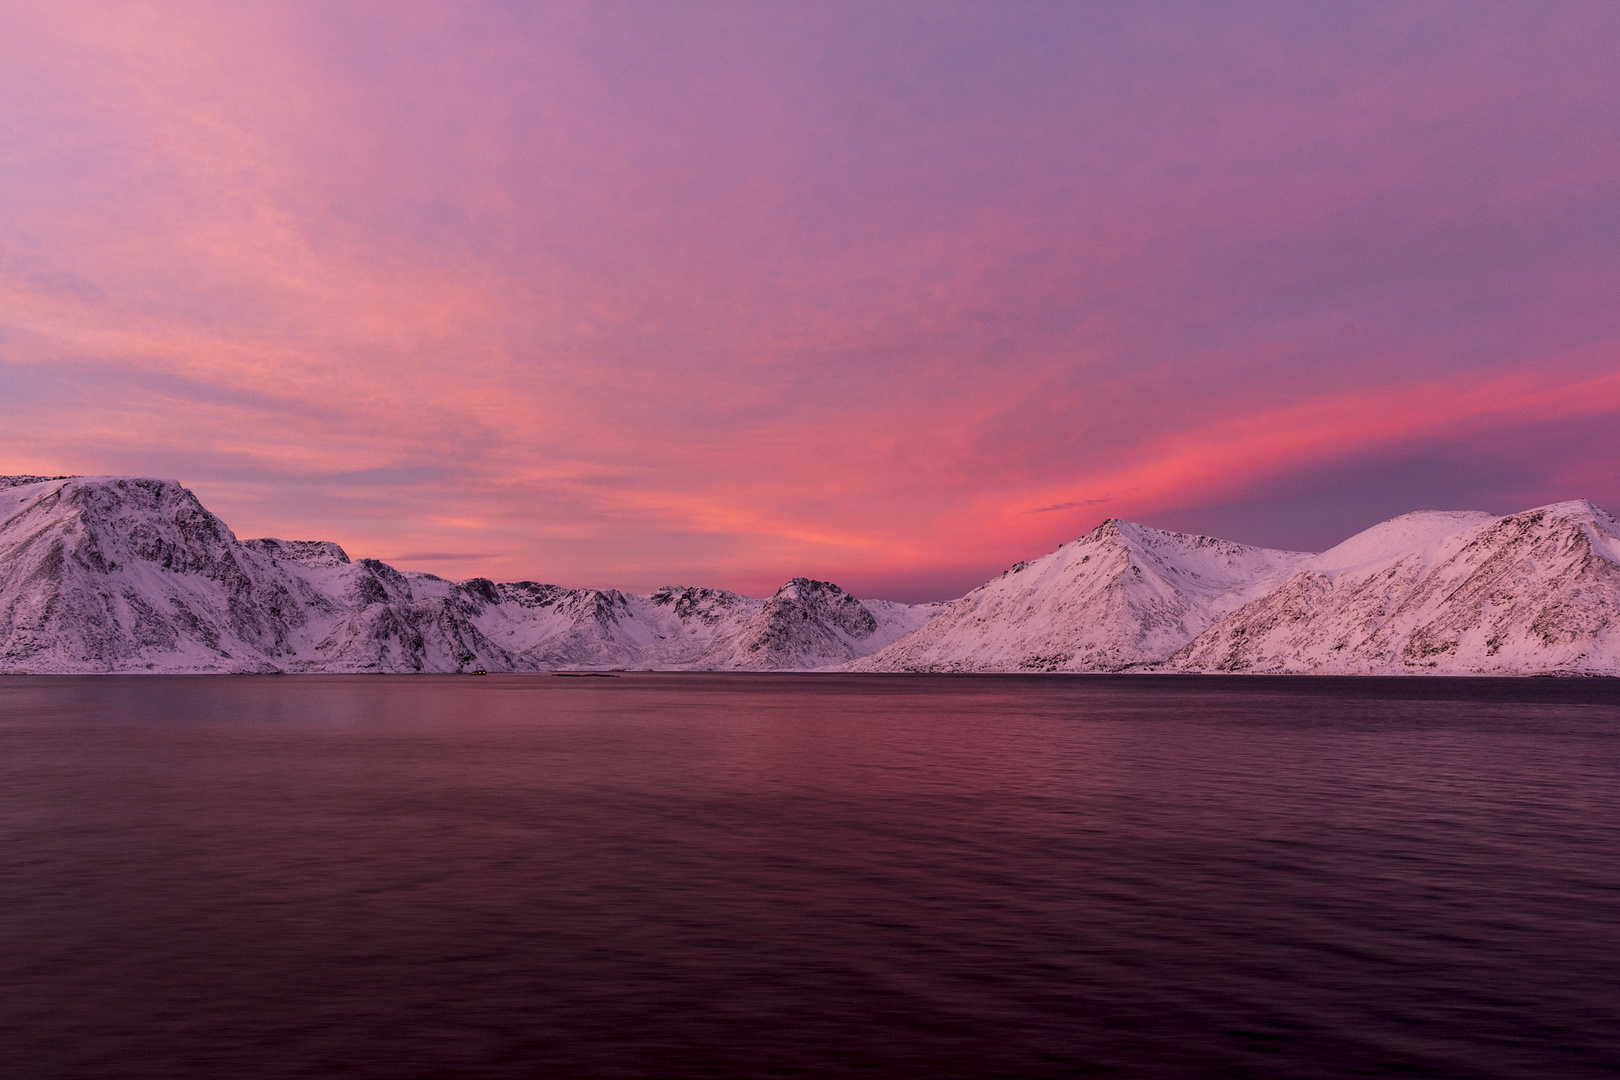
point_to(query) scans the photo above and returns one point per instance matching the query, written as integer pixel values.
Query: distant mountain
(1123, 596)
(120, 574)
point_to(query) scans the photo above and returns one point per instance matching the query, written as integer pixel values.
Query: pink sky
(894, 295)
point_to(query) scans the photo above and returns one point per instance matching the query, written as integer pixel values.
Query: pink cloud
(613, 296)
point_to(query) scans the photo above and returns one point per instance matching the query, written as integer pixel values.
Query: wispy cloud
(618, 297)
(1069, 505)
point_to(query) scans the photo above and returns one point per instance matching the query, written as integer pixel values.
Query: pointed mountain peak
(827, 603)
(1582, 511)
(806, 588)
(1107, 530)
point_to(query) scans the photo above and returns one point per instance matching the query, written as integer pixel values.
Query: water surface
(735, 875)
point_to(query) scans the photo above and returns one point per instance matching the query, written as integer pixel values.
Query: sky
(892, 295)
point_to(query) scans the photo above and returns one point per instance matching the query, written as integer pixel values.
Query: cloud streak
(1055, 507)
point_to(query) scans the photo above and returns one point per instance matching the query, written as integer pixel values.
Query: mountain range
(131, 574)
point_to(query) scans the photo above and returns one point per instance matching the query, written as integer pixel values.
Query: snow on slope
(807, 624)
(1438, 593)
(1121, 596)
(101, 574)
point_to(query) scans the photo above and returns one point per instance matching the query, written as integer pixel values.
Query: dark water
(808, 876)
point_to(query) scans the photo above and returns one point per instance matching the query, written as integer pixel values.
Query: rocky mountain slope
(1434, 592)
(108, 574)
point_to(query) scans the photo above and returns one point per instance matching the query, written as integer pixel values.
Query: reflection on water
(692, 875)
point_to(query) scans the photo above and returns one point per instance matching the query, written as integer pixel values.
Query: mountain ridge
(134, 574)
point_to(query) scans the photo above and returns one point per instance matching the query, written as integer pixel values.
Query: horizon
(891, 298)
(402, 561)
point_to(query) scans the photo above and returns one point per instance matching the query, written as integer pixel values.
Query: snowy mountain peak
(1410, 535)
(1174, 549)
(97, 573)
(690, 602)
(1579, 509)
(1122, 595)
(1577, 518)
(806, 624)
(830, 604)
(109, 522)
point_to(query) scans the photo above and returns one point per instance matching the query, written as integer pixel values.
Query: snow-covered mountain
(1427, 593)
(1440, 593)
(104, 574)
(1122, 596)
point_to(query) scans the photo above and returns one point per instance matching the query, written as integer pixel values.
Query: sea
(812, 875)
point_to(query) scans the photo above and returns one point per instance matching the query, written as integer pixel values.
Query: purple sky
(889, 294)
